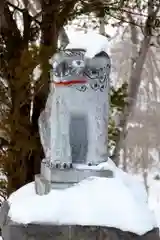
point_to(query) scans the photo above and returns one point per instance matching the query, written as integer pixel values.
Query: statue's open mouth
(70, 82)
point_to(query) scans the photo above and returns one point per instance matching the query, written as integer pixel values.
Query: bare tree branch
(135, 77)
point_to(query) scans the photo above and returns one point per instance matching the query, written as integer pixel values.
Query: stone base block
(15, 231)
(53, 178)
(49, 232)
(43, 186)
(72, 175)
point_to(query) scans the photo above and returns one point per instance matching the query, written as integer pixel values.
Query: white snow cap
(92, 42)
(112, 202)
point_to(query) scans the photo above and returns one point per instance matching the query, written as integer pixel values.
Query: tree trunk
(49, 41)
(19, 162)
(136, 72)
(20, 138)
(134, 81)
(25, 151)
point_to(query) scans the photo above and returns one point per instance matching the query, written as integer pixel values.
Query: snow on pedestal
(107, 202)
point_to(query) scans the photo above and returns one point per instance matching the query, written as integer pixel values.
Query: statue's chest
(89, 85)
(97, 85)
(74, 99)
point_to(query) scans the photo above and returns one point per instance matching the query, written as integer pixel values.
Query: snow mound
(111, 202)
(92, 42)
(132, 182)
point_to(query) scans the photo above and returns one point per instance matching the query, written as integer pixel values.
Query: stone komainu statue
(73, 126)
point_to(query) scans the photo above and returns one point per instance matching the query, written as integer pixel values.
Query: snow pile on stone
(132, 182)
(118, 202)
(92, 42)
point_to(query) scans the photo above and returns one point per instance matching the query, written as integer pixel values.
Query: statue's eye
(78, 63)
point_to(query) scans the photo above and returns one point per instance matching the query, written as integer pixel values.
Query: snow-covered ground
(119, 202)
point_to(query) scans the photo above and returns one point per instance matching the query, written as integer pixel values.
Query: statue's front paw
(67, 165)
(60, 165)
(90, 164)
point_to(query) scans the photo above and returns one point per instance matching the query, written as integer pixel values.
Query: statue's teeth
(57, 165)
(64, 165)
(71, 165)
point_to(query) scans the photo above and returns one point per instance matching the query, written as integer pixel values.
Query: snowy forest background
(29, 36)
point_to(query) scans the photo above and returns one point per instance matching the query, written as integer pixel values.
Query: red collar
(70, 82)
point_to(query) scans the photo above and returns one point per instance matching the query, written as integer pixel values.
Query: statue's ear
(106, 58)
(102, 54)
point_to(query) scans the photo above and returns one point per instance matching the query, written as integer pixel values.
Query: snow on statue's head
(84, 61)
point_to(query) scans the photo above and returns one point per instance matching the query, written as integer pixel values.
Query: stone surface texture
(73, 125)
(14, 231)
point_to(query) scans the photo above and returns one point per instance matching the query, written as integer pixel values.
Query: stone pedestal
(13, 231)
(48, 232)
(61, 178)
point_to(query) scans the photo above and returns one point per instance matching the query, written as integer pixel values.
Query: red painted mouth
(71, 82)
